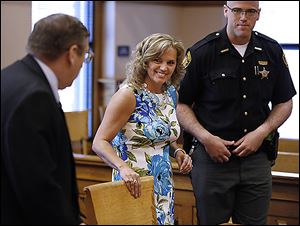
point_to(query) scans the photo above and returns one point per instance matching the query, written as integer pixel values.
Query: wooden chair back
(111, 203)
(77, 122)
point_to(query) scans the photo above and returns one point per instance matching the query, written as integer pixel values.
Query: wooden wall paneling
(284, 204)
(288, 145)
(184, 197)
(287, 162)
(288, 156)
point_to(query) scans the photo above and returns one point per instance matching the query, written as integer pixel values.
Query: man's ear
(258, 14)
(225, 10)
(73, 54)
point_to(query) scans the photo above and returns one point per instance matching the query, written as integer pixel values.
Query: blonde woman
(140, 123)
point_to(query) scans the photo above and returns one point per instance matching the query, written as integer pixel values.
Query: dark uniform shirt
(230, 93)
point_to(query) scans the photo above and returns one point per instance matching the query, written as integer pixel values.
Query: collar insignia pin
(258, 48)
(224, 50)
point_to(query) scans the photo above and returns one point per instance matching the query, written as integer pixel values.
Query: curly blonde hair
(147, 50)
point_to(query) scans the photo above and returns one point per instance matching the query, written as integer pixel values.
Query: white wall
(15, 29)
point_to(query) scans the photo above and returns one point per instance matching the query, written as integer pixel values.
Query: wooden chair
(110, 203)
(77, 122)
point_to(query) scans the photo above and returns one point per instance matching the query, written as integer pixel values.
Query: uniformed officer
(232, 75)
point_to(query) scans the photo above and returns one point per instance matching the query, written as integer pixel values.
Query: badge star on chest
(264, 73)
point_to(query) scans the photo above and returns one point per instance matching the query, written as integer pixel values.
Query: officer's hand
(217, 148)
(248, 144)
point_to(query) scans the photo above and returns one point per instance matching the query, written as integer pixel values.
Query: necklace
(161, 100)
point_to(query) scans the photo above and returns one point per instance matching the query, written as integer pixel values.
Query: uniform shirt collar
(51, 77)
(226, 47)
(257, 45)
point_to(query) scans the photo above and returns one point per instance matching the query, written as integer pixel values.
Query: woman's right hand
(132, 181)
(184, 162)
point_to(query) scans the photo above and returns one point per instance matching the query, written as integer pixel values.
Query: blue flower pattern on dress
(157, 130)
(120, 144)
(144, 142)
(160, 168)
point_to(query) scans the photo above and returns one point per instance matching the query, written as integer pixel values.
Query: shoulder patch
(284, 60)
(187, 59)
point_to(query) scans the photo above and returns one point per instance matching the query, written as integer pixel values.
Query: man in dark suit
(38, 181)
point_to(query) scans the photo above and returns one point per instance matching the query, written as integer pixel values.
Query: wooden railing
(284, 206)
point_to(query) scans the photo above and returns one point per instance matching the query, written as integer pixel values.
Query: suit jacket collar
(31, 63)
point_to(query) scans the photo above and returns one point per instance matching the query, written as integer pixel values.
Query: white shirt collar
(51, 77)
(241, 48)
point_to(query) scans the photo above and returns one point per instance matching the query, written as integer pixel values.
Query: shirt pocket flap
(222, 74)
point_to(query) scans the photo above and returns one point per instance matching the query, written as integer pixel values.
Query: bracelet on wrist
(177, 150)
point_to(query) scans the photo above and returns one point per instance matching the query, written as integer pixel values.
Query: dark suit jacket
(38, 183)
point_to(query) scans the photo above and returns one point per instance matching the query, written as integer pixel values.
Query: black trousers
(240, 188)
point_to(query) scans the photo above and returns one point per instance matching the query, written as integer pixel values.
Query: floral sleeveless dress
(143, 143)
